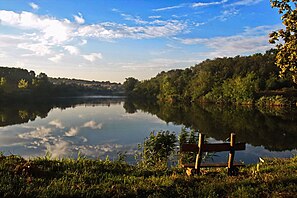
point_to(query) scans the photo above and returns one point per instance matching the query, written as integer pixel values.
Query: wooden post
(200, 152)
(231, 154)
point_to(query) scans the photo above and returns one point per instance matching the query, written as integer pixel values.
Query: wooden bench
(203, 147)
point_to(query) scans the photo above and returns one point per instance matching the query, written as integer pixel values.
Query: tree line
(20, 84)
(242, 80)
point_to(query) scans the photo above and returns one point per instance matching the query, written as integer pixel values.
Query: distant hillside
(86, 83)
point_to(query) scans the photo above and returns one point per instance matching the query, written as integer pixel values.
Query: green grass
(43, 177)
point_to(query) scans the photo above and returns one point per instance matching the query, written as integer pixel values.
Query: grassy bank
(42, 177)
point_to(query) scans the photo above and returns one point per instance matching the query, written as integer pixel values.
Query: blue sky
(115, 39)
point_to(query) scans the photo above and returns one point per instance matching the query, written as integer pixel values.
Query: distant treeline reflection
(18, 113)
(275, 129)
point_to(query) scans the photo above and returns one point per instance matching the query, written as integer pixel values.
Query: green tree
(201, 84)
(286, 58)
(168, 92)
(23, 84)
(130, 84)
(41, 84)
(240, 90)
(2, 81)
(2, 85)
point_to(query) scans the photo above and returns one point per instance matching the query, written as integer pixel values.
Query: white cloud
(169, 8)
(135, 19)
(93, 125)
(159, 64)
(71, 49)
(38, 48)
(111, 31)
(202, 4)
(193, 5)
(227, 14)
(57, 58)
(199, 24)
(154, 17)
(10, 40)
(115, 10)
(252, 40)
(92, 57)
(47, 26)
(72, 132)
(34, 6)
(79, 18)
(57, 123)
(245, 3)
(260, 30)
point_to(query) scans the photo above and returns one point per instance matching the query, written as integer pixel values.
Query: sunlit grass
(45, 177)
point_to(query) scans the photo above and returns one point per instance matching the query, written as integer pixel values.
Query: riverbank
(43, 177)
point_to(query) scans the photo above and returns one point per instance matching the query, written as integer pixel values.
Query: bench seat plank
(205, 165)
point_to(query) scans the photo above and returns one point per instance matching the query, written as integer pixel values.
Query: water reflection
(274, 130)
(97, 127)
(94, 127)
(22, 113)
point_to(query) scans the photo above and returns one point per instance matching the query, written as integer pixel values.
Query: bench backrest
(212, 147)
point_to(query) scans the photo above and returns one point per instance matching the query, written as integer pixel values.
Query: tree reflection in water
(275, 129)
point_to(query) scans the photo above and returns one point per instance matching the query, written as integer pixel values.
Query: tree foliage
(240, 80)
(2, 81)
(23, 84)
(130, 84)
(286, 58)
(158, 147)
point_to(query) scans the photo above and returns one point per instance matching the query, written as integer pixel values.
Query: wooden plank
(218, 147)
(189, 148)
(232, 151)
(220, 164)
(222, 147)
(199, 155)
(205, 165)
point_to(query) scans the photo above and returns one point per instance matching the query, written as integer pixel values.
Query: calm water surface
(103, 127)
(92, 129)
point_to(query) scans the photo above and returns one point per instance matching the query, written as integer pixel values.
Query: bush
(158, 147)
(273, 101)
(186, 137)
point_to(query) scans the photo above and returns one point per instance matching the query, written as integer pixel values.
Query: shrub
(186, 137)
(158, 147)
(273, 101)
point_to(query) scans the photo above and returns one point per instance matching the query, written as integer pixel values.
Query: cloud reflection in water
(39, 133)
(72, 132)
(93, 125)
(57, 123)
